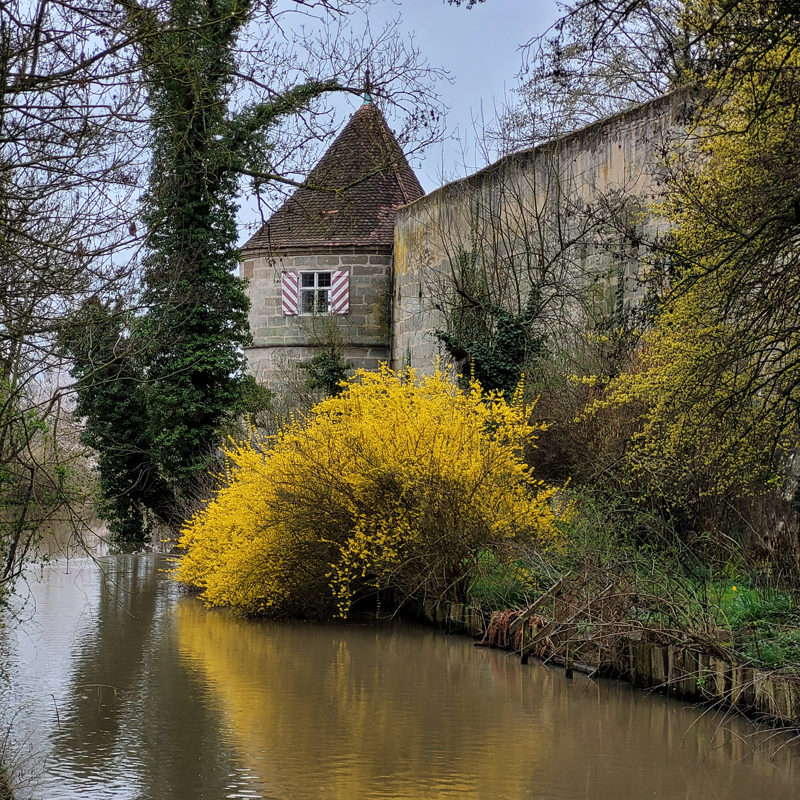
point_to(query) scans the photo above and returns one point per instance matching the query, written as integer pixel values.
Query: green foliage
(774, 648)
(499, 585)
(741, 605)
(763, 622)
(154, 411)
(327, 372)
(499, 359)
(109, 366)
(5, 784)
(660, 584)
(489, 343)
(255, 408)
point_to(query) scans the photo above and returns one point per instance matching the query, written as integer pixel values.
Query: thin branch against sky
(480, 50)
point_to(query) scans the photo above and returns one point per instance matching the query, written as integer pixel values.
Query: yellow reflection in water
(346, 712)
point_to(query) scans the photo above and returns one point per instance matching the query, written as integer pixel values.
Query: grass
(666, 586)
(764, 623)
(497, 586)
(5, 786)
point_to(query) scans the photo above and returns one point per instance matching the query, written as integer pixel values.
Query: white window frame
(316, 289)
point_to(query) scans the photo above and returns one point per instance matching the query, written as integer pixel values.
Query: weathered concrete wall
(280, 340)
(571, 217)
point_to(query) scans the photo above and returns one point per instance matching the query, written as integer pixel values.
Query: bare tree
(69, 167)
(75, 134)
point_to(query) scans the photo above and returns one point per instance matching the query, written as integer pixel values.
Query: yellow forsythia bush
(401, 481)
(703, 439)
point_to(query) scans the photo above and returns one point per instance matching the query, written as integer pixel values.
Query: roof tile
(358, 185)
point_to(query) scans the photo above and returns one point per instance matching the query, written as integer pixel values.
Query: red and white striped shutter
(340, 292)
(289, 288)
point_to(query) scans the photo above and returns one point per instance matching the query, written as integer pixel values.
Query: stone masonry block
(359, 271)
(305, 262)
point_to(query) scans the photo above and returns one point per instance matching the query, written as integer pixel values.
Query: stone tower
(325, 256)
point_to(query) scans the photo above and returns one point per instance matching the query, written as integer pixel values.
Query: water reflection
(131, 690)
(124, 718)
(389, 711)
(62, 539)
(406, 712)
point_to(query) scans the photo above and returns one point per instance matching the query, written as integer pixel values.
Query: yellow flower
(399, 482)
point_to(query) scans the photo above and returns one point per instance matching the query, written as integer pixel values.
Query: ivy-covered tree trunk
(196, 321)
(155, 427)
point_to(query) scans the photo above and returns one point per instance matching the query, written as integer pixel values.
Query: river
(120, 686)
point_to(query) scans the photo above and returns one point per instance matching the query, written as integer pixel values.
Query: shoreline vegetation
(412, 492)
(685, 670)
(737, 651)
(6, 791)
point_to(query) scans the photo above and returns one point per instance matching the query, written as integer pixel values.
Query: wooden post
(536, 636)
(736, 684)
(658, 666)
(748, 695)
(717, 688)
(569, 659)
(690, 670)
(645, 669)
(671, 670)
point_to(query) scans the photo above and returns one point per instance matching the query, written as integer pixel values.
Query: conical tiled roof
(366, 164)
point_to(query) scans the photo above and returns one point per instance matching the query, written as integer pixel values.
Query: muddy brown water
(121, 687)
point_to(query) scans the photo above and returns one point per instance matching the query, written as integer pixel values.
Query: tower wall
(280, 340)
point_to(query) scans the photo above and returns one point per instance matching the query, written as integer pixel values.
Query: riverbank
(157, 696)
(580, 629)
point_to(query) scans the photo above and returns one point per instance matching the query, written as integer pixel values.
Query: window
(315, 292)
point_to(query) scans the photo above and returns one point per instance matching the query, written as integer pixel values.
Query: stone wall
(572, 217)
(279, 340)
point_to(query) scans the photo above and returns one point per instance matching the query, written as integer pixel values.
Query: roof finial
(367, 88)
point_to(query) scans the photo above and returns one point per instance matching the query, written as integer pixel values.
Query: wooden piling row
(452, 617)
(685, 672)
(689, 673)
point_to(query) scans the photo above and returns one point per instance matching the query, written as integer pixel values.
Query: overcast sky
(480, 49)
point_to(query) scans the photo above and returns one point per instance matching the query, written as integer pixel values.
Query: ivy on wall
(487, 342)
